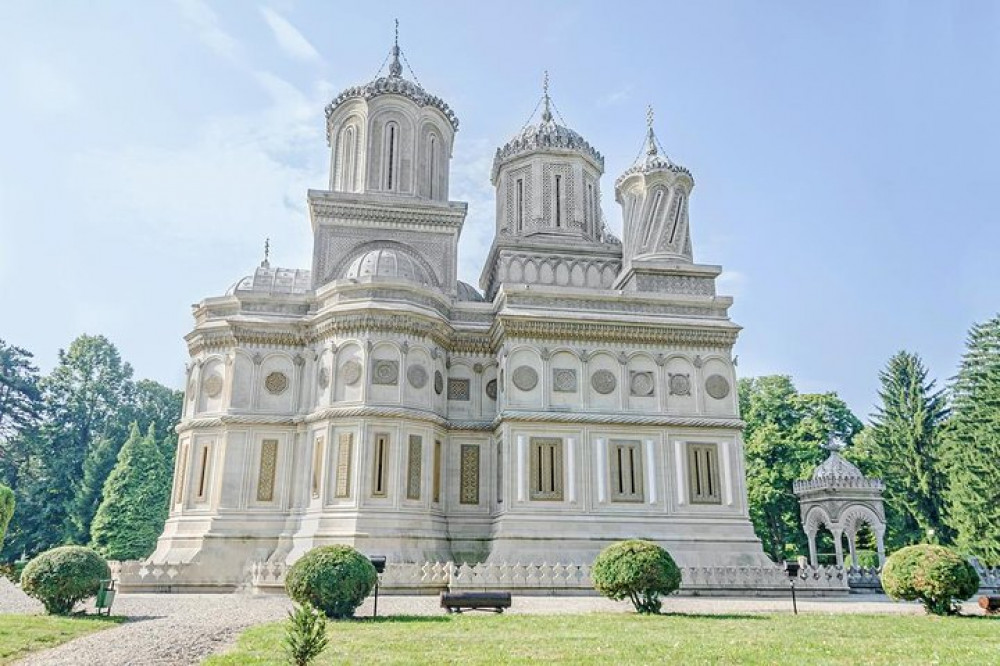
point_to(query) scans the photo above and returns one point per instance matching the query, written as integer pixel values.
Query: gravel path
(181, 629)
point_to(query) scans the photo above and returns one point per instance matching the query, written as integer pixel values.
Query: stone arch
(338, 269)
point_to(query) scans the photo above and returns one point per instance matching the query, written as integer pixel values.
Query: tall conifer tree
(972, 449)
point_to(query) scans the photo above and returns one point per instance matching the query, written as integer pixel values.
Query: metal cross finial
(395, 67)
(649, 116)
(650, 136)
(397, 33)
(267, 252)
(546, 112)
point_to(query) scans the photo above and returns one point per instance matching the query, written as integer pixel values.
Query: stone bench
(456, 602)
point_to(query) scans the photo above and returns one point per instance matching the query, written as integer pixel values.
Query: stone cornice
(662, 420)
(385, 211)
(723, 334)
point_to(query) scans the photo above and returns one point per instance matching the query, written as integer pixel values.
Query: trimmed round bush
(63, 576)
(936, 576)
(640, 571)
(334, 579)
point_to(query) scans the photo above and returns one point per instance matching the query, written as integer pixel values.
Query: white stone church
(584, 394)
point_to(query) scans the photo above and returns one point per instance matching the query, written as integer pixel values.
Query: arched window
(432, 156)
(348, 153)
(653, 216)
(390, 157)
(677, 217)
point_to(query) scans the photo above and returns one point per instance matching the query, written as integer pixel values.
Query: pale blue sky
(845, 155)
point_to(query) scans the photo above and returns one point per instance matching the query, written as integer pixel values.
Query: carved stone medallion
(525, 377)
(717, 386)
(276, 383)
(385, 373)
(491, 389)
(213, 385)
(641, 384)
(603, 381)
(438, 382)
(324, 378)
(351, 371)
(417, 376)
(564, 380)
(680, 384)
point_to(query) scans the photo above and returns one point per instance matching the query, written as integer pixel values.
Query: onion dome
(393, 263)
(837, 467)
(393, 84)
(652, 158)
(546, 135)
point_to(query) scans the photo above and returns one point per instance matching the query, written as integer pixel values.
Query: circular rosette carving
(351, 372)
(603, 381)
(324, 378)
(385, 372)
(276, 383)
(491, 389)
(213, 385)
(524, 377)
(564, 380)
(417, 376)
(680, 384)
(438, 382)
(642, 384)
(717, 386)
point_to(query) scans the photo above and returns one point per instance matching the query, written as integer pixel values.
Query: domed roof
(837, 467)
(394, 84)
(387, 263)
(652, 160)
(545, 135)
(267, 280)
(466, 292)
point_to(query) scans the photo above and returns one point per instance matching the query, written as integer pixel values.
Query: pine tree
(20, 403)
(972, 448)
(134, 508)
(903, 447)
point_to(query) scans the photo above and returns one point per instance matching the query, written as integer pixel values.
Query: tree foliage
(136, 495)
(334, 579)
(64, 576)
(972, 446)
(936, 576)
(638, 570)
(903, 448)
(305, 635)
(784, 430)
(20, 403)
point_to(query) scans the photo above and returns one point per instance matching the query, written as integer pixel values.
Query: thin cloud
(206, 23)
(42, 87)
(288, 37)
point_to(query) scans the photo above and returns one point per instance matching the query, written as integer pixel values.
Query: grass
(632, 639)
(21, 634)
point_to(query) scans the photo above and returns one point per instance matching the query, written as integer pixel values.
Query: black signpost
(378, 561)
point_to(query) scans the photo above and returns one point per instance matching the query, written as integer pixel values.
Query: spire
(267, 254)
(395, 68)
(650, 136)
(547, 111)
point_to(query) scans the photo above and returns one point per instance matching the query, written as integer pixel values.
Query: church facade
(585, 394)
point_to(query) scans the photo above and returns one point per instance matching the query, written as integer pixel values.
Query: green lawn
(632, 639)
(21, 634)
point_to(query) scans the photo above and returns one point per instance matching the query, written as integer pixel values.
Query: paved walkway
(181, 629)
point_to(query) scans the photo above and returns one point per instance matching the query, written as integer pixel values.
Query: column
(813, 557)
(522, 458)
(602, 471)
(838, 545)
(650, 471)
(571, 469)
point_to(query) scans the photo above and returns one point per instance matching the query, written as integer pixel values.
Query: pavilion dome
(268, 280)
(393, 263)
(837, 467)
(466, 292)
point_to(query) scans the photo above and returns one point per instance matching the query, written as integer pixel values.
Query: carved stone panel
(679, 384)
(276, 383)
(324, 378)
(413, 467)
(717, 386)
(564, 380)
(491, 389)
(417, 376)
(351, 372)
(438, 382)
(266, 474)
(385, 372)
(641, 384)
(524, 377)
(603, 381)
(469, 473)
(212, 385)
(343, 486)
(459, 389)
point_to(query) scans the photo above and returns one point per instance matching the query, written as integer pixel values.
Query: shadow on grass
(716, 616)
(399, 619)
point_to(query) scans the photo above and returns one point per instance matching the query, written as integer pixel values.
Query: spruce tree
(972, 448)
(903, 447)
(134, 508)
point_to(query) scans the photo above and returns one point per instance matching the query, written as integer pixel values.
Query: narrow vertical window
(677, 217)
(589, 207)
(203, 474)
(653, 216)
(546, 468)
(500, 472)
(182, 461)
(558, 201)
(317, 468)
(380, 468)
(436, 482)
(347, 160)
(432, 170)
(392, 152)
(626, 470)
(520, 204)
(703, 474)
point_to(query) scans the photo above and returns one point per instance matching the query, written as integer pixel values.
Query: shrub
(334, 579)
(305, 635)
(6, 509)
(934, 575)
(638, 570)
(63, 576)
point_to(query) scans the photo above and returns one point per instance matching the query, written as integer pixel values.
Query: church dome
(267, 280)
(546, 135)
(652, 159)
(837, 467)
(392, 263)
(466, 292)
